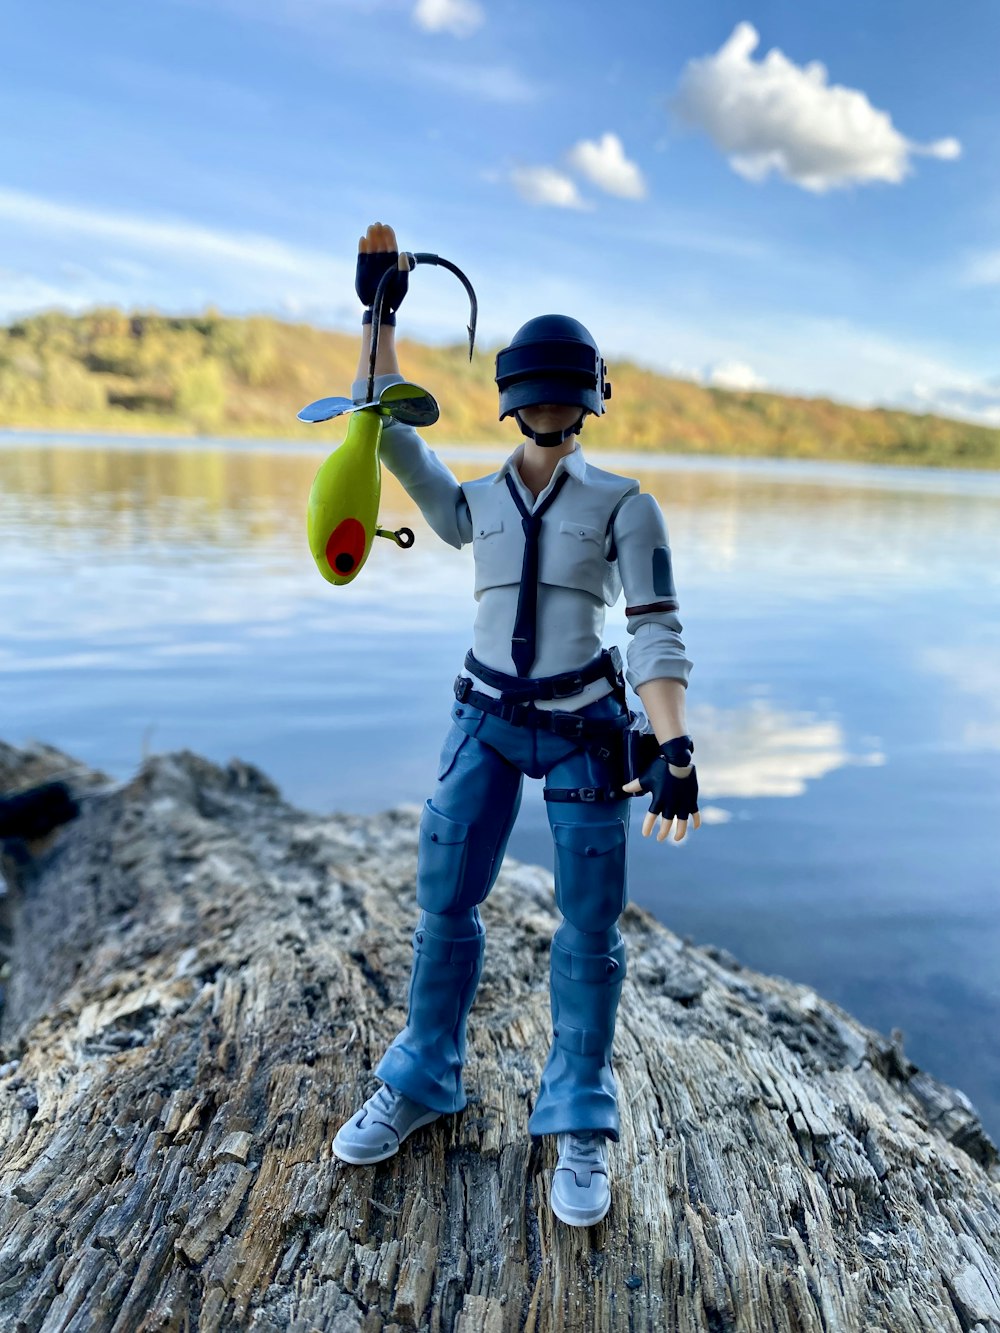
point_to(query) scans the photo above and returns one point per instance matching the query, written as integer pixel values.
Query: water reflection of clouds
(804, 527)
(814, 538)
(972, 669)
(762, 750)
(91, 588)
(131, 556)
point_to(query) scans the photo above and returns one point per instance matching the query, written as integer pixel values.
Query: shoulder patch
(663, 574)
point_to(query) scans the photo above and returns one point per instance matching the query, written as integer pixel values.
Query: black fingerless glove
(368, 276)
(672, 795)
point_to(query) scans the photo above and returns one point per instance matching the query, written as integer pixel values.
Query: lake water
(843, 622)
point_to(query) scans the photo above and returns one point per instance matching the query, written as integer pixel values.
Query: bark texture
(201, 979)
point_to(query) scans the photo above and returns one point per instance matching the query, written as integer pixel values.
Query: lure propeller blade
(409, 404)
(325, 409)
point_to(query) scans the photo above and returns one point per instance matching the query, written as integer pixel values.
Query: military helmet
(551, 359)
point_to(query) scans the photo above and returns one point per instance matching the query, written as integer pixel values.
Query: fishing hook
(408, 262)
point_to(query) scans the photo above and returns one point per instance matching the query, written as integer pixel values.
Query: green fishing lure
(342, 515)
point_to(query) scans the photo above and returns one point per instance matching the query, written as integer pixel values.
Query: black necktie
(522, 644)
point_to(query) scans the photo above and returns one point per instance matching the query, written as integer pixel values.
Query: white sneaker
(581, 1193)
(376, 1131)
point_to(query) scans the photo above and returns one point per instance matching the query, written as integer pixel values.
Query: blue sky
(804, 197)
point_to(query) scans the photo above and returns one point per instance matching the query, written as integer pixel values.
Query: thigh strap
(584, 795)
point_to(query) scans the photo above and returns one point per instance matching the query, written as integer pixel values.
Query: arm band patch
(651, 607)
(663, 574)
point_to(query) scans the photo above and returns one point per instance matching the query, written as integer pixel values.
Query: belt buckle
(463, 688)
(588, 794)
(568, 725)
(565, 689)
(512, 712)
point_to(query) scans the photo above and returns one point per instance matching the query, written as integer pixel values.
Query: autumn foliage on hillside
(109, 370)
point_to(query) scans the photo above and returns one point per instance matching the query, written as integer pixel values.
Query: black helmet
(551, 359)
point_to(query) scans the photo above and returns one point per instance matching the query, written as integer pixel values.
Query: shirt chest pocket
(581, 532)
(573, 557)
(497, 552)
(487, 527)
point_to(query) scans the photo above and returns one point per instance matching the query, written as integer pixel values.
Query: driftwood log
(200, 979)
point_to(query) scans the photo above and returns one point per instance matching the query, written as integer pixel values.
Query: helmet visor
(574, 362)
(552, 370)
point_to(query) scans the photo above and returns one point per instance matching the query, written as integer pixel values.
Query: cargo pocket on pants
(591, 889)
(441, 859)
(453, 743)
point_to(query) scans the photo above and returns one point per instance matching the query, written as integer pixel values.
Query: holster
(640, 749)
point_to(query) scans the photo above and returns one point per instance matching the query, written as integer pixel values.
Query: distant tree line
(110, 370)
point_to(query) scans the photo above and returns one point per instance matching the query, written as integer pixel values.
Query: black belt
(568, 725)
(518, 689)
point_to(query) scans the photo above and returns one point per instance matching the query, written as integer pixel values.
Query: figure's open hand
(675, 796)
(377, 251)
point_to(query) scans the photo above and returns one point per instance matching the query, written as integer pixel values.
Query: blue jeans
(464, 832)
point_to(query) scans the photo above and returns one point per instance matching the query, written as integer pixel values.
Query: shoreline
(930, 477)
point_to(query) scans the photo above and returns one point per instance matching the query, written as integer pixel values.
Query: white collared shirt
(570, 622)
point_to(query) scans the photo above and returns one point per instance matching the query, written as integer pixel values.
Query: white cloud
(734, 375)
(604, 164)
(488, 83)
(775, 116)
(173, 264)
(983, 270)
(21, 293)
(969, 399)
(459, 17)
(545, 185)
(176, 236)
(841, 359)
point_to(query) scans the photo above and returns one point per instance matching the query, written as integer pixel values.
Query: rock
(201, 980)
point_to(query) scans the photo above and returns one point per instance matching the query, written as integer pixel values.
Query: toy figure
(555, 541)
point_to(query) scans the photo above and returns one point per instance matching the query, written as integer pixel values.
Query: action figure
(555, 541)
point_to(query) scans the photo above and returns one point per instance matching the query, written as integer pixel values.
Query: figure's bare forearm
(385, 361)
(664, 700)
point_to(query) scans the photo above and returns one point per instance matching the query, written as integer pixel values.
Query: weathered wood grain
(200, 981)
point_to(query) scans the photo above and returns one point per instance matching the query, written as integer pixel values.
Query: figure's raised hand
(377, 251)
